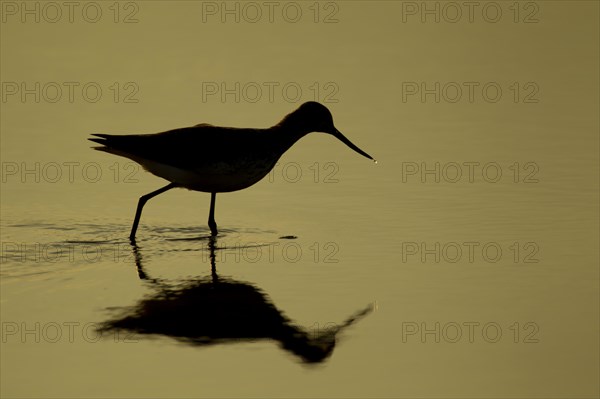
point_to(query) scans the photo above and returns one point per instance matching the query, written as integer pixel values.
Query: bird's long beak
(344, 140)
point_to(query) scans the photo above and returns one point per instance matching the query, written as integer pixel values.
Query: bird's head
(315, 117)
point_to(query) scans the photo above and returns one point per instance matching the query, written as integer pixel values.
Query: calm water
(463, 264)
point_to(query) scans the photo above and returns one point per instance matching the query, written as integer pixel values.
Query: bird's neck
(287, 135)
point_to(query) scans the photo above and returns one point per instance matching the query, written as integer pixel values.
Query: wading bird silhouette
(215, 159)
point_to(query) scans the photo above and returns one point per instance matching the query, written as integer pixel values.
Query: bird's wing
(189, 147)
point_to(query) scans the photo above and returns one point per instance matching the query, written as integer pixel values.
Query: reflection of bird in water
(215, 310)
(216, 159)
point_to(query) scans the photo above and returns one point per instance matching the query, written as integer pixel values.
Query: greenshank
(216, 159)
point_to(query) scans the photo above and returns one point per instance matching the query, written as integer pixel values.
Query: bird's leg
(211, 216)
(142, 202)
(212, 246)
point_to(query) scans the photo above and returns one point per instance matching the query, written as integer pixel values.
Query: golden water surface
(463, 264)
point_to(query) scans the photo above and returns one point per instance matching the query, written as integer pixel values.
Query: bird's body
(218, 159)
(205, 158)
